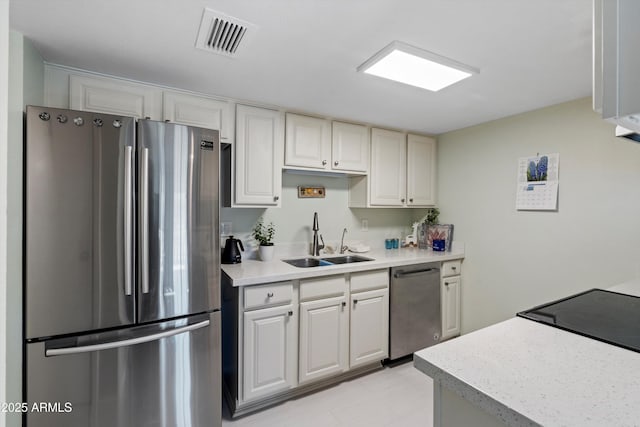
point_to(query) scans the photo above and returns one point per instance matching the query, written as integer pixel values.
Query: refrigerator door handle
(144, 221)
(124, 343)
(128, 223)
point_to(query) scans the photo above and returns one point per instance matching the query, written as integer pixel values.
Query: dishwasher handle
(401, 273)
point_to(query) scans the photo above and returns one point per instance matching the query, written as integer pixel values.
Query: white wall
(516, 259)
(4, 104)
(26, 86)
(294, 219)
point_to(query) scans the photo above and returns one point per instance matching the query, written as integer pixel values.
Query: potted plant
(264, 235)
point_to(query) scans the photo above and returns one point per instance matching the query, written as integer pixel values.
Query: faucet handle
(322, 245)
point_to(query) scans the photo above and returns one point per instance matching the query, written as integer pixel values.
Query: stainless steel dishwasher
(414, 308)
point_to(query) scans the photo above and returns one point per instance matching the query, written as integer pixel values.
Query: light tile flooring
(399, 396)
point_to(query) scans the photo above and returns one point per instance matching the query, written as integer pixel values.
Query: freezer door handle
(128, 223)
(144, 220)
(124, 343)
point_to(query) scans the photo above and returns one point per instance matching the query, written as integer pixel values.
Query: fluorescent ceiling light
(416, 67)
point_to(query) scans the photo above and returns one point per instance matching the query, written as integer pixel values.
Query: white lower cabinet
(324, 338)
(369, 327)
(269, 360)
(279, 338)
(450, 299)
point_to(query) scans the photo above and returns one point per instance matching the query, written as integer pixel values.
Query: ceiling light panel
(416, 67)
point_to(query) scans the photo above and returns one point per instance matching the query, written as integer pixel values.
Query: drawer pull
(453, 267)
(290, 313)
(270, 295)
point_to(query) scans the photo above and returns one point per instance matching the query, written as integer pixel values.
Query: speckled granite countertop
(529, 374)
(252, 272)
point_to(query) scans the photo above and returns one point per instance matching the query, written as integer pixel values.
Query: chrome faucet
(342, 246)
(315, 249)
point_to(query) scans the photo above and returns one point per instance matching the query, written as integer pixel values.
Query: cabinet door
(199, 111)
(258, 156)
(307, 142)
(349, 147)
(113, 96)
(421, 171)
(388, 168)
(450, 291)
(269, 351)
(369, 327)
(324, 329)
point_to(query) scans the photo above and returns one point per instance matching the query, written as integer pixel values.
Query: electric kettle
(231, 252)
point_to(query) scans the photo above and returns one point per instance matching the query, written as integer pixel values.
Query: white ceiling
(304, 54)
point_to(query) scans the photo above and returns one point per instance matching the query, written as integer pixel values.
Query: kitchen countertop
(526, 373)
(253, 272)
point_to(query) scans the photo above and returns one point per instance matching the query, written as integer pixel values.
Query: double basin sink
(319, 262)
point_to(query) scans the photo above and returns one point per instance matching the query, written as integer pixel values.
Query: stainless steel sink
(306, 262)
(319, 262)
(346, 259)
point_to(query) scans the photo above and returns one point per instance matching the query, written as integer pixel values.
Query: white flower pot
(266, 252)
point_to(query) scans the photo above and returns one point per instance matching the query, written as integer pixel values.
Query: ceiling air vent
(223, 34)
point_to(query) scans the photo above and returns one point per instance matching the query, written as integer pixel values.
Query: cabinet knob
(290, 313)
(276, 198)
(402, 200)
(410, 200)
(324, 163)
(453, 267)
(335, 163)
(269, 294)
(355, 301)
(344, 304)
(446, 284)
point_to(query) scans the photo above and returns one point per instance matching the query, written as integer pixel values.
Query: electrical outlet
(364, 226)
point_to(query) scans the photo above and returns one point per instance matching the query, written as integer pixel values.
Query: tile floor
(399, 396)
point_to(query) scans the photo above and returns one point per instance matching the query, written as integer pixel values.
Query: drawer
(268, 295)
(323, 287)
(451, 268)
(366, 280)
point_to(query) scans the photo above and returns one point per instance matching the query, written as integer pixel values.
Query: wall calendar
(538, 182)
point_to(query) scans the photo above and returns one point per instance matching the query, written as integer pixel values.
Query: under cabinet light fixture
(416, 67)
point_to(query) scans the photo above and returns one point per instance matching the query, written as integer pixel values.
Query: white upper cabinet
(200, 111)
(350, 147)
(308, 142)
(421, 170)
(402, 172)
(388, 168)
(113, 96)
(258, 156)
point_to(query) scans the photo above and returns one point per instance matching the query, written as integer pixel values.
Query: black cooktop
(603, 315)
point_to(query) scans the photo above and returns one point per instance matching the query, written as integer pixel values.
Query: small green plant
(431, 217)
(264, 233)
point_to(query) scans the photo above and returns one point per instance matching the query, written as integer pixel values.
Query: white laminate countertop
(528, 374)
(253, 272)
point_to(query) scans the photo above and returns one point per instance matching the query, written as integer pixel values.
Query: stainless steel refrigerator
(121, 297)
